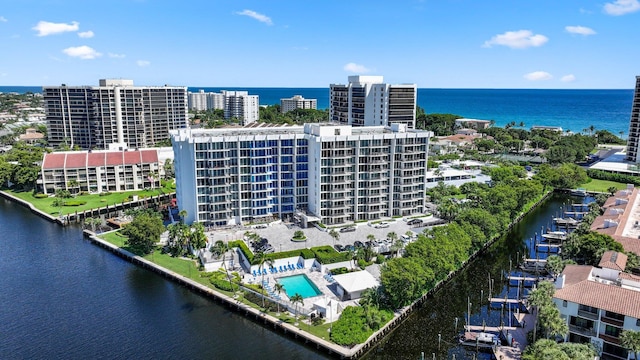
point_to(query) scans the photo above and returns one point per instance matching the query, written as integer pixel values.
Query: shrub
(106, 193)
(223, 284)
(328, 255)
(74, 203)
(244, 248)
(305, 253)
(340, 270)
(40, 196)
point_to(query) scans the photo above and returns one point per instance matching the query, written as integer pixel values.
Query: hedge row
(621, 178)
(74, 203)
(328, 255)
(244, 248)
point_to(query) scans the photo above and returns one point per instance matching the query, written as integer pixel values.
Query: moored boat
(480, 340)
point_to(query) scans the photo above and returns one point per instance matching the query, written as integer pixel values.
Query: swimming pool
(299, 284)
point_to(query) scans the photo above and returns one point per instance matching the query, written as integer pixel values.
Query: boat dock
(549, 247)
(506, 300)
(495, 329)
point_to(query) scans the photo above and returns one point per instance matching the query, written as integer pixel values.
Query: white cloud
(143, 63)
(621, 7)
(45, 28)
(520, 39)
(117, 56)
(252, 14)
(568, 78)
(356, 68)
(538, 76)
(86, 34)
(3, 19)
(580, 30)
(83, 52)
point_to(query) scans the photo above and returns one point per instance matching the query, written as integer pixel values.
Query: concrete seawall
(252, 313)
(33, 209)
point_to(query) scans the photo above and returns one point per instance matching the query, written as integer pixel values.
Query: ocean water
(574, 110)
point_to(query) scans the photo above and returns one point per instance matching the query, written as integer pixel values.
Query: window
(564, 303)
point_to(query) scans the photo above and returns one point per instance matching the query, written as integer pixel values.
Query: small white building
(297, 102)
(352, 285)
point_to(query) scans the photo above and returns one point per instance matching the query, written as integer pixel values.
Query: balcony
(582, 330)
(588, 315)
(610, 339)
(612, 321)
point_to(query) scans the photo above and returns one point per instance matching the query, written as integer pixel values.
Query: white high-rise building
(368, 101)
(241, 105)
(236, 104)
(329, 173)
(114, 112)
(633, 140)
(297, 102)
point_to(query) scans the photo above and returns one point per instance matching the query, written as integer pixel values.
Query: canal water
(434, 329)
(63, 298)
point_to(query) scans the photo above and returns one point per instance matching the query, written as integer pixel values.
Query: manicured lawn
(602, 185)
(93, 200)
(189, 268)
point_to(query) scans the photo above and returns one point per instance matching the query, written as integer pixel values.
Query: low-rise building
(598, 303)
(621, 219)
(473, 123)
(100, 171)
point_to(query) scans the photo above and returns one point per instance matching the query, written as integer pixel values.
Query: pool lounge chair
(254, 273)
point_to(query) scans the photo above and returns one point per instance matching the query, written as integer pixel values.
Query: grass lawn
(602, 185)
(93, 200)
(189, 268)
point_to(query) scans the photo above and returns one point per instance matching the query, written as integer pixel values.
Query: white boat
(555, 235)
(579, 192)
(480, 340)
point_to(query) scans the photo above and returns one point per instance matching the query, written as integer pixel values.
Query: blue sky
(281, 43)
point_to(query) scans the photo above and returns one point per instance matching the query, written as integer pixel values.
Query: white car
(381, 225)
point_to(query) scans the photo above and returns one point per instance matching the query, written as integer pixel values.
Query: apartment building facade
(100, 171)
(633, 140)
(116, 111)
(329, 173)
(236, 104)
(368, 101)
(297, 102)
(598, 303)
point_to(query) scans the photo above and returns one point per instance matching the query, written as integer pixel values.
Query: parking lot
(280, 234)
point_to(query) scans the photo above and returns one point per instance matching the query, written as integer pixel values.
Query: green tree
(630, 339)
(278, 288)
(335, 235)
(545, 349)
(295, 300)
(588, 248)
(197, 236)
(144, 231)
(263, 260)
(219, 249)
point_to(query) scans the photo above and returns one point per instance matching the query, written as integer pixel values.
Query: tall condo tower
(368, 101)
(633, 140)
(116, 111)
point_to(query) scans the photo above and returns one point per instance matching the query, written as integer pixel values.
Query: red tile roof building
(100, 171)
(621, 219)
(600, 302)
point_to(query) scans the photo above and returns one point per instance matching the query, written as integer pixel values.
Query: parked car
(381, 225)
(414, 222)
(338, 247)
(348, 229)
(349, 248)
(358, 244)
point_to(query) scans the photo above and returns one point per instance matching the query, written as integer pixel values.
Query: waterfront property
(633, 141)
(327, 173)
(92, 117)
(600, 302)
(368, 101)
(102, 171)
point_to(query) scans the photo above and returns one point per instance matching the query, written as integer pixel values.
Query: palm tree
(182, 214)
(197, 237)
(262, 260)
(93, 222)
(371, 237)
(392, 236)
(630, 339)
(295, 300)
(278, 288)
(621, 134)
(591, 129)
(220, 248)
(335, 235)
(612, 190)
(73, 184)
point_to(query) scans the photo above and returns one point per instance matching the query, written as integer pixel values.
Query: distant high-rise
(236, 104)
(114, 112)
(297, 102)
(633, 140)
(368, 101)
